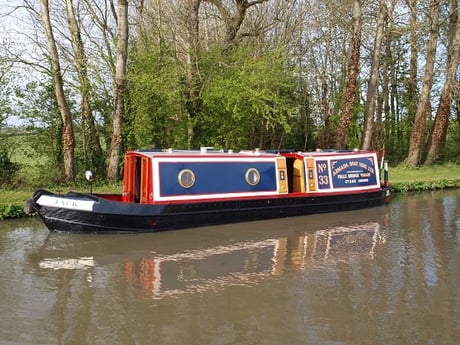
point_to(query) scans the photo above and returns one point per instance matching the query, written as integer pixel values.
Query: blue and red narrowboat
(174, 189)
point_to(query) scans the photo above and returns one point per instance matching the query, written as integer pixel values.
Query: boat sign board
(67, 203)
(348, 172)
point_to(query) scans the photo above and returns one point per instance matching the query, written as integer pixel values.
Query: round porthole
(252, 176)
(186, 178)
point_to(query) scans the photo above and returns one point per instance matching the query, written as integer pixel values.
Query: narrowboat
(174, 189)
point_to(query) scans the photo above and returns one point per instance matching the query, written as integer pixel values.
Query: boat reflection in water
(158, 275)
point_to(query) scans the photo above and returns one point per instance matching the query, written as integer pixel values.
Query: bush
(8, 168)
(11, 211)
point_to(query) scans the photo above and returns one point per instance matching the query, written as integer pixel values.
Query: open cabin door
(137, 180)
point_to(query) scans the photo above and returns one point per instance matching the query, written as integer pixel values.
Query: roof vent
(205, 149)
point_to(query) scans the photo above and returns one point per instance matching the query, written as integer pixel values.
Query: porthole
(252, 176)
(186, 178)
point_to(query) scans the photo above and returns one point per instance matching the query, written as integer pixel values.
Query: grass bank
(405, 179)
(402, 179)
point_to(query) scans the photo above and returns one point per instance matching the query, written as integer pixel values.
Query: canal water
(386, 275)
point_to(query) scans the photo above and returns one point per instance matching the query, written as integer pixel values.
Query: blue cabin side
(151, 177)
(216, 177)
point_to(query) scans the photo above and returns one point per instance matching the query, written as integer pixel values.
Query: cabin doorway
(137, 180)
(290, 173)
(296, 174)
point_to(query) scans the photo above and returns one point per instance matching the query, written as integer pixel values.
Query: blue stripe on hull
(216, 177)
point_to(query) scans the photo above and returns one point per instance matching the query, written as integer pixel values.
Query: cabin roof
(203, 152)
(329, 153)
(210, 152)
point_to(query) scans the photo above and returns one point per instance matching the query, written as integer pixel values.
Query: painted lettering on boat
(322, 167)
(67, 203)
(346, 172)
(353, 172)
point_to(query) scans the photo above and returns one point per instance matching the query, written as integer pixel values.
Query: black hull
(110, 216)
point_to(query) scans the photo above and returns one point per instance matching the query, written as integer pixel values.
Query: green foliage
(452, 147)
(7, 167)
(404, 179)
(416, 186)
(5, 91)
(42, 146)
(11, 211)
(248, 100)
(155, 115)
(356, 129)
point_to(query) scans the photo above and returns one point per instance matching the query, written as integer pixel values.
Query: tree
(418, 130)
(412, 80)
(193, 76)
(68, 133)
(349, 92)
(5, 68)
(441, 121)
(154, 114)
(41, 117)
(249, 97)
(92, 154)
(119, 90)
(373, 79)
(233, 21)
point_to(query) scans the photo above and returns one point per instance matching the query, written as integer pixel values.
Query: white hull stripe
(67, 203)
(217, 196)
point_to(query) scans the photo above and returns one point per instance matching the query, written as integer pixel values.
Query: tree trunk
(349, 93)
(441, 121)
(67, 134)
(325, 137)
(119, 91)
(233, 22)
(386, 106)
(92, 154)
(457, 116)
(193, 104)
(418, 130)
(373, 80)
(412, 82)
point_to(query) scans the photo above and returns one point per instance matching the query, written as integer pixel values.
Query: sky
(10, 25)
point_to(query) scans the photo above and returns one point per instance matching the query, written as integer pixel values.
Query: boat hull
(68, 213)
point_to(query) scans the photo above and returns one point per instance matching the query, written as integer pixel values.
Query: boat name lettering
(66, 203)
(340, 168)
(338, 171)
